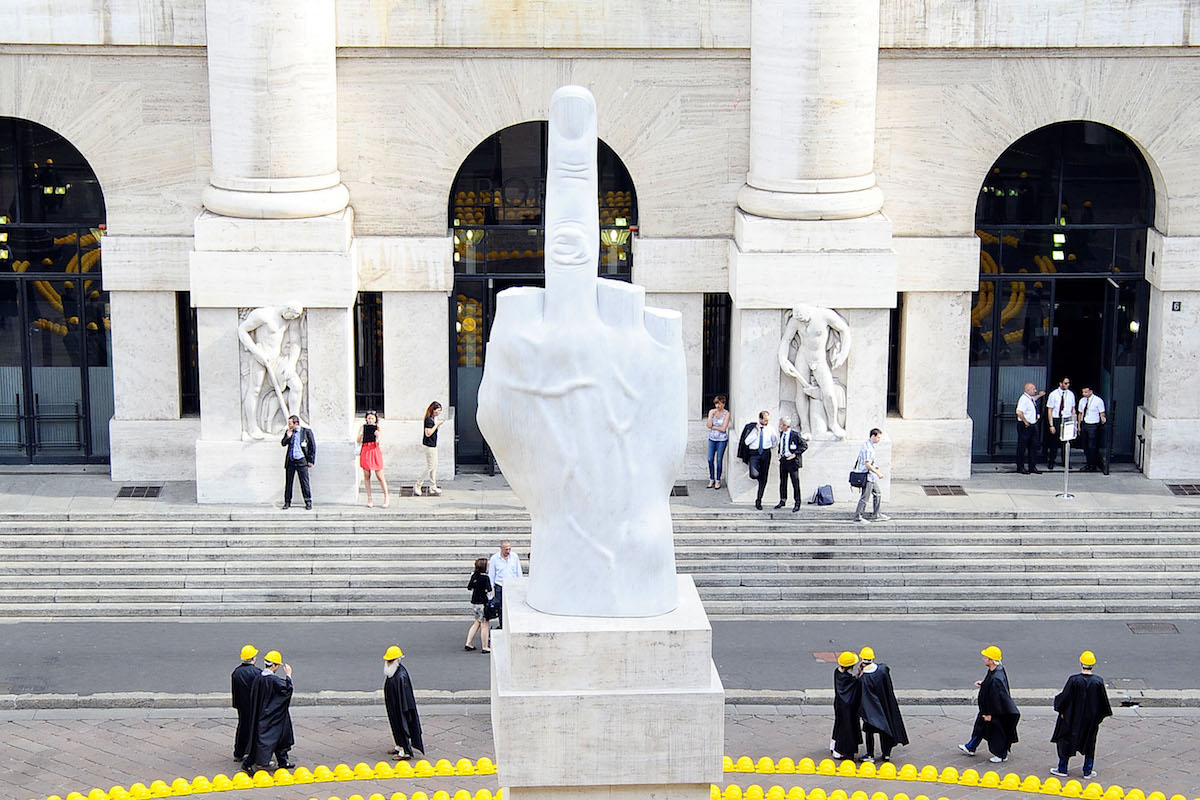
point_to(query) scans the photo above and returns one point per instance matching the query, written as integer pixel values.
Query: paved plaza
(55, 752)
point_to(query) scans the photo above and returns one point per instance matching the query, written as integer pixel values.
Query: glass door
(13, 402)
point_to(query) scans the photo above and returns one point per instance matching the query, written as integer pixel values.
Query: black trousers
(1051, 445)
(1090, 433)
(1027, 446)
(499, 595)
(293, 469)
(786, 474)
(886, 743)
(760, 469)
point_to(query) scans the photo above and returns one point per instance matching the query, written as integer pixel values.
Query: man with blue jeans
(866, 463)
(1082, 705)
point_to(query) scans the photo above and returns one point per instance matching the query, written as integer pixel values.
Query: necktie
(760, 437)
(783, 437)
(1086, 401)
(1062, 399)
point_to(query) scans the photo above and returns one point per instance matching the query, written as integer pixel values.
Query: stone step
(454, 583)
(769, 609)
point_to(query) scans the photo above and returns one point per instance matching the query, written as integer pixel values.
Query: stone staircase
(745, 564)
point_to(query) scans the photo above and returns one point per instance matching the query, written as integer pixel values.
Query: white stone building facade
(257, 153)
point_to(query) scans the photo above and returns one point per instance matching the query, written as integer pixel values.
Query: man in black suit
(300, 453)
(791, 450)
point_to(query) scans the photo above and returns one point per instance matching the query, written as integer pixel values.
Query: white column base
(252, 472)
(595, 707)
(1169, 451)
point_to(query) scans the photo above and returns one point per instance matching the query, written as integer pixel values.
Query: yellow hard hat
(273, 657)
(393, 653)
(866, 654)
(248, 652)
(847, 659)
(1087, 658)
(992, 652)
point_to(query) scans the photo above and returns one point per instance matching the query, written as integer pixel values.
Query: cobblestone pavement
(56, 752)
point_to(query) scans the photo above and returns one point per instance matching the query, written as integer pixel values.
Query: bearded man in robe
(271, 721)
(401, 706)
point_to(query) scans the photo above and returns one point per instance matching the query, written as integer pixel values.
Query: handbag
(858, 479)
(823, 496)
(491, 609)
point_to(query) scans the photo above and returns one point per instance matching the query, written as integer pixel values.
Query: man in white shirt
(503, 565)
(1060, 404)
(760, 441)
(866, 463)
(1092, 414)
(1027, 430)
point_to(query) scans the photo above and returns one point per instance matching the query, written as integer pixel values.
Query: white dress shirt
(1027, 407)
(1090, 408)
(770, 438)
(500, 568)
(1060, 397)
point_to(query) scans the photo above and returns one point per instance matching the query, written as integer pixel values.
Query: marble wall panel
(937, 264)
(1172, 356)
(544, 23)
(149, 22)
(220, 377)
(145, 355)
(1036, 23)
(416, 364)
(1174, 264)
(140, 120)
(681, 265)
(930, 449)
(405, 263)
(153, 450)
(934, 332)
(678, 123)
(691, 307)
(943, 121)
(146, 263)
(330, 370)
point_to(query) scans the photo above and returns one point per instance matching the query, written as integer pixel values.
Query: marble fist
(583, 403)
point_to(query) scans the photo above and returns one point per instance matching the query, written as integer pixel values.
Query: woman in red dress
(370, 458)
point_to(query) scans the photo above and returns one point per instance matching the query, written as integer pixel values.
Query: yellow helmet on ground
(273, 657)
(847, 659)
(249, 652)
(866, 654)
(393, 653)
(992, 652)
(1087, 658)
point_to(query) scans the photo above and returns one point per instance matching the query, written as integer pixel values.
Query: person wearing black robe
(1082, 705)
(847, 697)
(998, 715)
(271, 721)
(242, 680)
(879, 710)
(401, 706)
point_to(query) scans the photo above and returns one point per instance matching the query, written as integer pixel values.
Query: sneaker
(880, 518)
(862, 520)
(998, 759)
(868, 759)
(836, 755)
(964, 748)
(1057, 773)
(1091, 776)
(887, 759)
(434, 490)
(416, 491)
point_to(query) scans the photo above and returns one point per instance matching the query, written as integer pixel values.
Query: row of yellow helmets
(249, 652)
(849, 658)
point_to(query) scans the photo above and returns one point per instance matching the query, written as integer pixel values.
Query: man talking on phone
(300, 453)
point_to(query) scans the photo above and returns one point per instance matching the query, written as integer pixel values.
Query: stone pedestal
(592, 707)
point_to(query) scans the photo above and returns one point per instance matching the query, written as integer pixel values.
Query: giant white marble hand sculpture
(824, 346)
(271, 386)
(583, 403)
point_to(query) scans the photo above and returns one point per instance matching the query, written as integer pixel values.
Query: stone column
(813, 70)
(808, 228)
(273, 109)
(276, 231)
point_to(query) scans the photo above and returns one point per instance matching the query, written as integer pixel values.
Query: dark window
(715, 370)
(498, 198)
(893, 386)
(189, 355)
(368, 352)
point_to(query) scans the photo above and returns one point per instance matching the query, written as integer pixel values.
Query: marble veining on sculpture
(273, 375)
(822, 344)
(583, 403)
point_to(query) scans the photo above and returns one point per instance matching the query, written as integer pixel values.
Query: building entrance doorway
(495, 217)
(1062, 220)
(56, 393)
